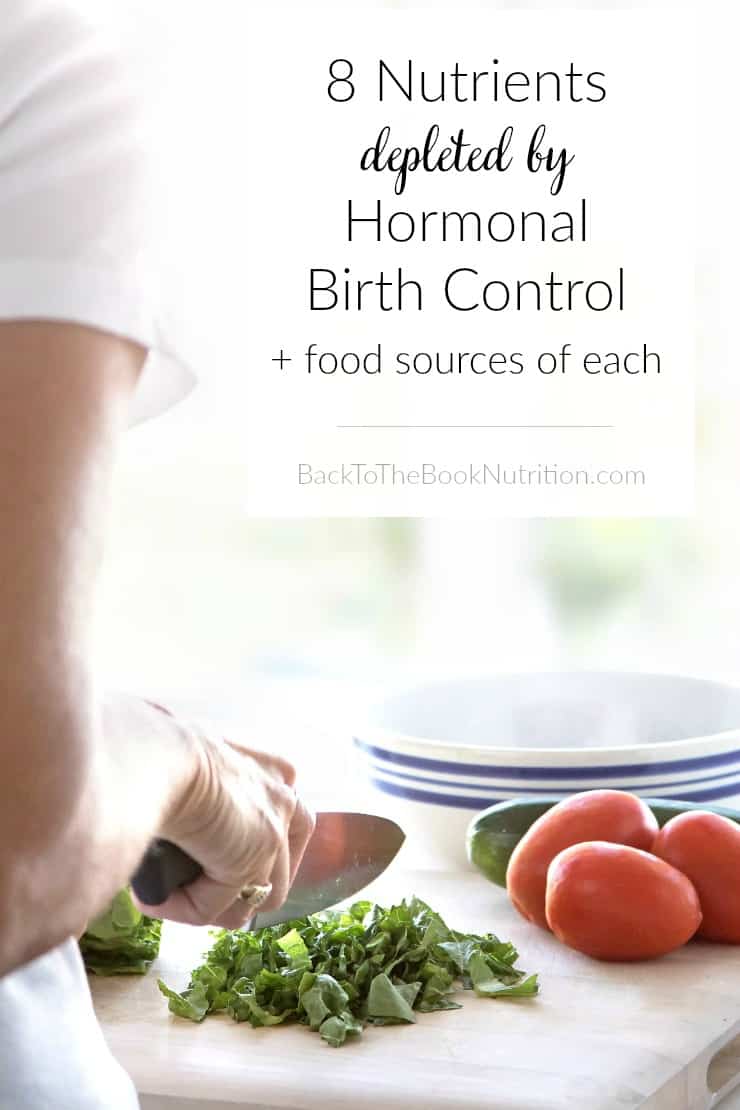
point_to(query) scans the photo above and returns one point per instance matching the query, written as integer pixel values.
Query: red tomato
(619, 903)
(592, 815)
(706, 847)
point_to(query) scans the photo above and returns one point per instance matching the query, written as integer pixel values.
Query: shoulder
(73, 80)
(87, 229)
(49, 46)
(74, 100)
(77, 153)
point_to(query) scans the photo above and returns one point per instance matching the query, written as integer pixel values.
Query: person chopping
(88, 344)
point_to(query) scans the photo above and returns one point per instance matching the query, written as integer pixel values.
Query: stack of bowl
(435, 755)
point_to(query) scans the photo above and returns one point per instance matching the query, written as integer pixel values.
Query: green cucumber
(494, 834)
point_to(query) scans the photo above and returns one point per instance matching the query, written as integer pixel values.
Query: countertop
(598, 1037)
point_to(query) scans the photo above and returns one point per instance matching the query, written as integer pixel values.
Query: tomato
(706, 847)
(611, 815)
(619, 903)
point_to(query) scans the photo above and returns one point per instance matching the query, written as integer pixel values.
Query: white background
(293, 623)
(297, 163)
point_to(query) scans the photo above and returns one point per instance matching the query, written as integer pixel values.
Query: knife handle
(164, 868)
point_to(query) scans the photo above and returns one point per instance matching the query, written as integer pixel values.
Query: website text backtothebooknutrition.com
(468, 474)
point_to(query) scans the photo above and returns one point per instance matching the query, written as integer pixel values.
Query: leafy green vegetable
(121, 941)
(192, 1003)
(341, 970)
(486, 984)
(335, 1029)
(391, 1003)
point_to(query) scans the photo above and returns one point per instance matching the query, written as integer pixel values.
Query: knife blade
(345, 853)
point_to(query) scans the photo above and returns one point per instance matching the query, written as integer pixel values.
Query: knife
(345, 853)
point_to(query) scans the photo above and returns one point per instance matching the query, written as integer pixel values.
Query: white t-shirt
(84, 215)
(83, 236)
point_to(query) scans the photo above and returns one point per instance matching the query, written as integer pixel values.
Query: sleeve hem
(121, 303)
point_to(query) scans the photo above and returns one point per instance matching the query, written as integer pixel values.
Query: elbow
(47, 807)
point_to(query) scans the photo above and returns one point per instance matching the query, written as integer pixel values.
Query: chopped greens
(341, 970)
(121, 941)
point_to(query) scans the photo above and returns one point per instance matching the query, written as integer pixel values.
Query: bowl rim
(657, 751)
(716, 743)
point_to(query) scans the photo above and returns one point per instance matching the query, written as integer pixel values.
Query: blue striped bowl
(438, 753)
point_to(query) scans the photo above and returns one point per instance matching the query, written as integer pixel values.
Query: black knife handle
(164, 868)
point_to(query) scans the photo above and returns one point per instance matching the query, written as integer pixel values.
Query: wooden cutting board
(599, 1036)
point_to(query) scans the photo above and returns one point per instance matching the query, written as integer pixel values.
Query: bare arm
(64, 393)
(85, 782)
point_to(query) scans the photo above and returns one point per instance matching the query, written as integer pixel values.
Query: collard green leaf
(487, 984)
(294, 947)
(336, 1029)
(438, 984)
(122, 940)
(390, 1002)
(191, 1004)
(460, 951)
(244, 1006)
(120, 919)
(315, 1007)
(324, 998)
(336, 971)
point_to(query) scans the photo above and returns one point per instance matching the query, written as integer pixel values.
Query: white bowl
(436, 754)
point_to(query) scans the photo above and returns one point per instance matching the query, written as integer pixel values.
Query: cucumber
(494, 834)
